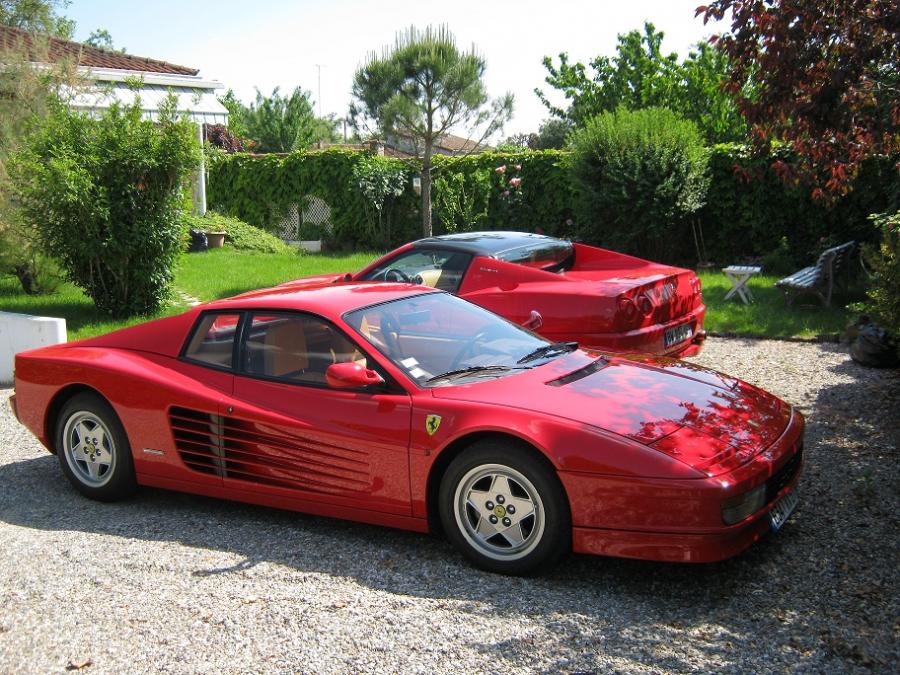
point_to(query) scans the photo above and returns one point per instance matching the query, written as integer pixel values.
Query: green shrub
(262, 190)
(750, 211)
(105, 195)
(239, 235)
(884, 264)
(643, 173)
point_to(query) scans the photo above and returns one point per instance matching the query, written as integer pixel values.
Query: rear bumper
(647, 339)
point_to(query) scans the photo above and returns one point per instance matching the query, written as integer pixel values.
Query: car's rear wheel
(93, 449)
(505, 509)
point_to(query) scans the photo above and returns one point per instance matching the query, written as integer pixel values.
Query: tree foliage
(105, 195)
(884, 263)
(639, 76)
(38, 16)
(642, 172)
(102, 39)
(25, 95)
(422, 87)
(825, 79)
(278, 123)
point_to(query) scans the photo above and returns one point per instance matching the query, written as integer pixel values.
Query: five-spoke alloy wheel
(93, 449)
(504, 508)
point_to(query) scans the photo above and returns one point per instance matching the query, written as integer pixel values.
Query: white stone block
(20, 332)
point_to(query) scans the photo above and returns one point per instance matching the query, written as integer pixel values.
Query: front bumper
(680, 520)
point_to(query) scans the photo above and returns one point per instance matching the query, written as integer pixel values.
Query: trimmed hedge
(749, 212)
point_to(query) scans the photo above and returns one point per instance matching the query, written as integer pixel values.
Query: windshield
(439, 339)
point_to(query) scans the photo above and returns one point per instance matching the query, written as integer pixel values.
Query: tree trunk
(426, 191)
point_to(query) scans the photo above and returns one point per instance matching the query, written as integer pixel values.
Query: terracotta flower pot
(215, 239)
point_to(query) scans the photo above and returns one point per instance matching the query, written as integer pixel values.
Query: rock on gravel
(167, 582)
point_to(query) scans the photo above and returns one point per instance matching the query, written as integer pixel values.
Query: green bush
(475, 192)
(261, 190)
(105, 195)
(884, 263)
(239, 235)
(643, 173)
(750, 212)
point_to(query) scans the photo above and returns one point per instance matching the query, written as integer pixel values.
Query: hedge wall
(742, 217)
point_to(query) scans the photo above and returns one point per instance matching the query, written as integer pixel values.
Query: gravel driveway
(174, 583)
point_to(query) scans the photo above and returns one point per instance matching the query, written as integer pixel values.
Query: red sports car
(402, 405)
(597, 298)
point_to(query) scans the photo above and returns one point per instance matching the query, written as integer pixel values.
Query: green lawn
(768, 315)
(206, 276)
(224, 272)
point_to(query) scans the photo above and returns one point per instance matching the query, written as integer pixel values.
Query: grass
(205, 276)
(224, 272)
(768, 316)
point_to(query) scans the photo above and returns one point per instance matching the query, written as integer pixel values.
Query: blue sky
(270, 43)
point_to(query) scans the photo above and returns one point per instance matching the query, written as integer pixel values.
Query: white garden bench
(820, 278)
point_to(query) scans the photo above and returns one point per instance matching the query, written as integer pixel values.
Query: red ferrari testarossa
(598, 298)
(402, 405)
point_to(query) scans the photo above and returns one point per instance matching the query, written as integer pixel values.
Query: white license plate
(678, 334)
(782, 510)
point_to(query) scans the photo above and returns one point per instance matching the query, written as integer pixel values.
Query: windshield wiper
(547, 350)
(471, 370)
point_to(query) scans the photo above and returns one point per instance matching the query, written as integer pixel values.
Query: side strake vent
(258, 453)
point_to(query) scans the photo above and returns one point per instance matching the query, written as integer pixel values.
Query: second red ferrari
(565, 291)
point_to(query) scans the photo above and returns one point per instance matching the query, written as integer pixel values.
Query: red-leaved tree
(825, 78)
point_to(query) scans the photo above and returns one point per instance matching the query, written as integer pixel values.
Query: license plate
(678, 334)
(782, 510)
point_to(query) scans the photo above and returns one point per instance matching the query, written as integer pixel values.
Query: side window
(212, 342)
(295, 347)
(438, 269)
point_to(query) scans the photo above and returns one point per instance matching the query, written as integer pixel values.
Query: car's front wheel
(505, 509)
(93, 449)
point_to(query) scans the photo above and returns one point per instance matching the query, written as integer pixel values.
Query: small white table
(739, 275)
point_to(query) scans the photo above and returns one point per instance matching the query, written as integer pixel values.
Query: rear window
(212, 342)
(552, 256)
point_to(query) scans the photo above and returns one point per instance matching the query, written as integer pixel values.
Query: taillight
(628, 308)
(644, 304)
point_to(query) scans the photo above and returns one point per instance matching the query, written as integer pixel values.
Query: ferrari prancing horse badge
(432, 422)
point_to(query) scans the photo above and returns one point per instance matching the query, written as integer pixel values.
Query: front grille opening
(784, 475)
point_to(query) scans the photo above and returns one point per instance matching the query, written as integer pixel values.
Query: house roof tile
(42, 48)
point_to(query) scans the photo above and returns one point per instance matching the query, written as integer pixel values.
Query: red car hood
(706, 420)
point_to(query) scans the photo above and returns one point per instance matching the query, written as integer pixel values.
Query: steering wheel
(393, 274)
(468, 349)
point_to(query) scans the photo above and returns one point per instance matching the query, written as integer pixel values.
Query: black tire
(101, 467)
(505, 540)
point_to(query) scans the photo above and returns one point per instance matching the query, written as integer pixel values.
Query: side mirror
(534, 321)
(350, 375)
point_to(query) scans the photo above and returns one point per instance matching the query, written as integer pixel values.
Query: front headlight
(735, 509)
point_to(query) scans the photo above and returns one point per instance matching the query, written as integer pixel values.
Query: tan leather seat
(285, 349)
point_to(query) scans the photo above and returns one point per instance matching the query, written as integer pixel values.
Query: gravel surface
(167, 582)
